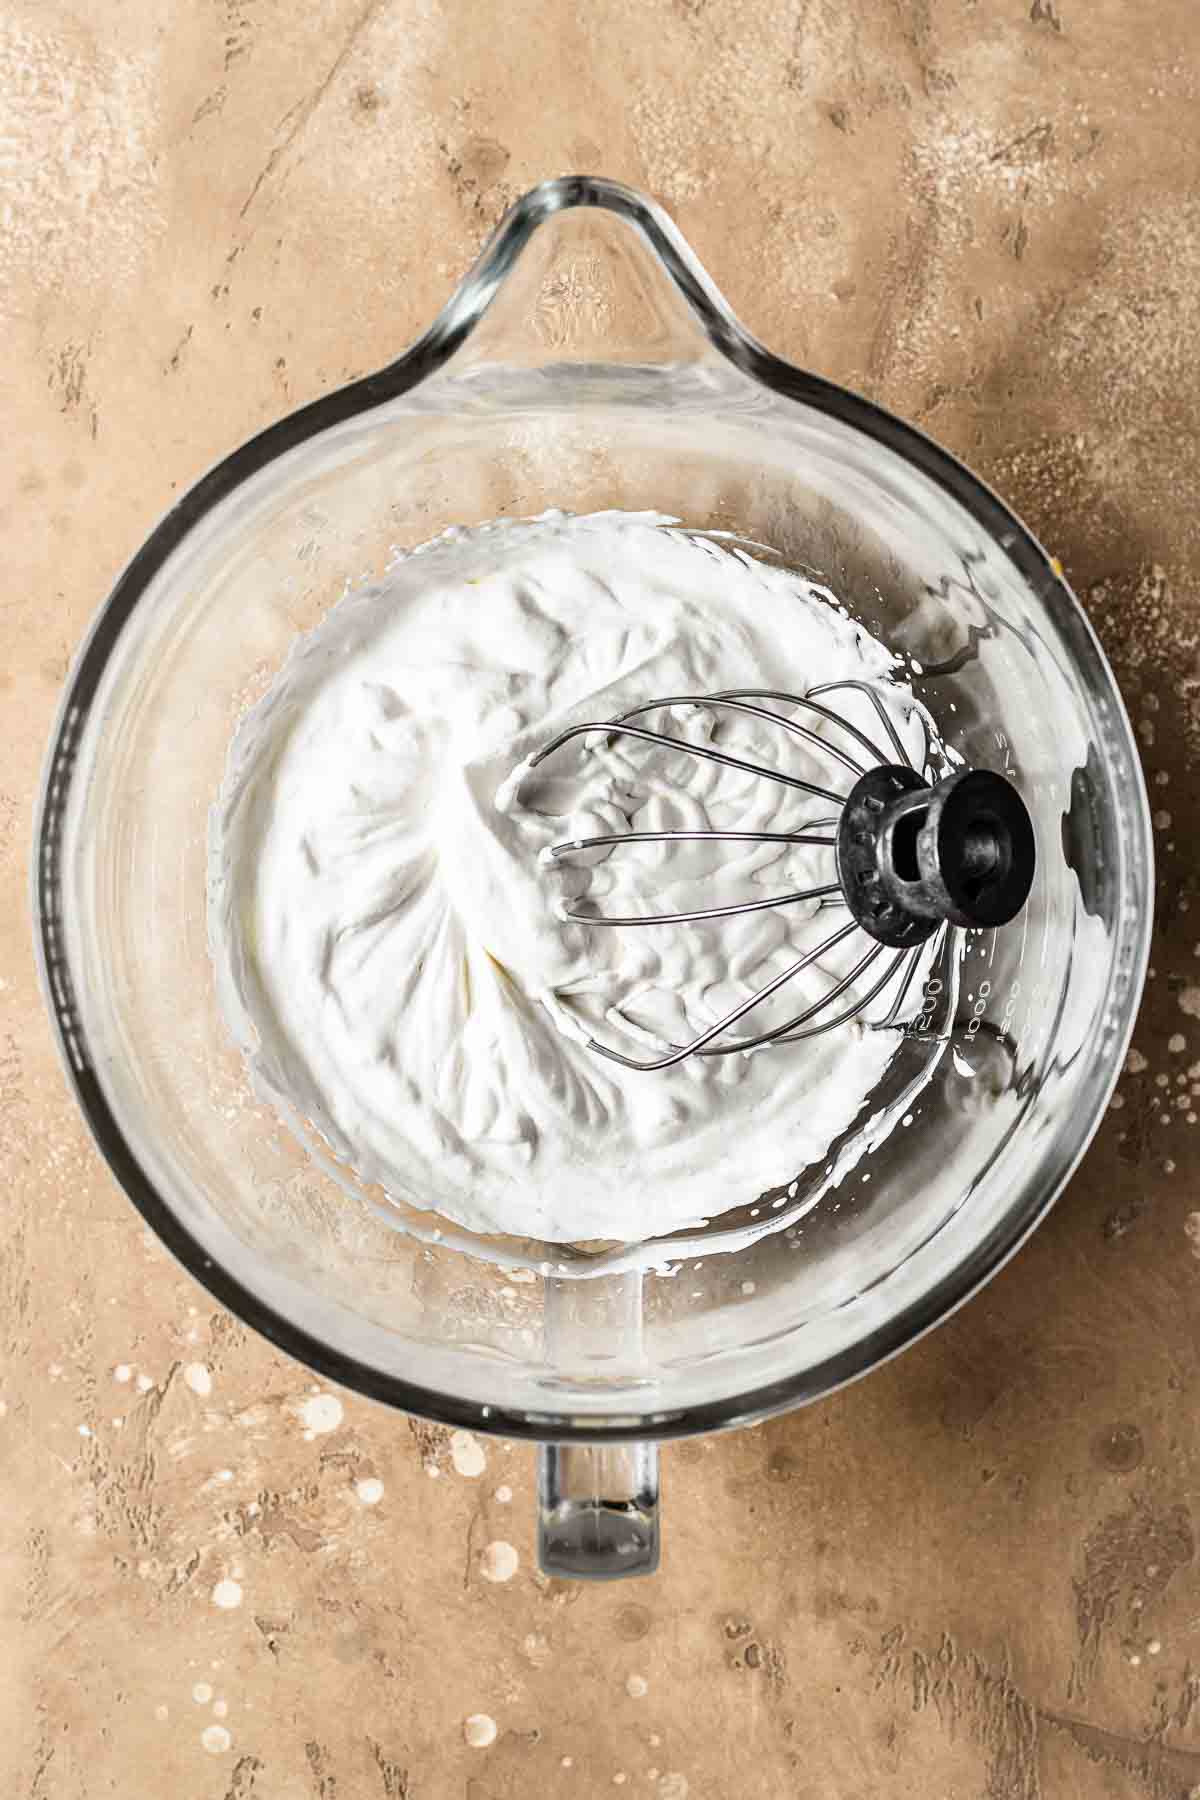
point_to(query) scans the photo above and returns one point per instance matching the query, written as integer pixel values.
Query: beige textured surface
(973, 1575)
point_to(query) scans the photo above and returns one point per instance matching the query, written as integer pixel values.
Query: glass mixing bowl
(587, 361)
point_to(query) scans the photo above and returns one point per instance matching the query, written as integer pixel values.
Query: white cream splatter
(122, 1372)
(161, 1713)
(1177, 1043)
(479, 1730)
(227, 1594)
(198, 1379)
(673, 1786)
(202, 1693)
(466, 1453)
(321, 1413)
(1135, 1063)
(498, 1561)
(1189, 1001)
(216, 1739)
(144, 1384)
(370, 1490)
(504, 1494)
(637, 1687)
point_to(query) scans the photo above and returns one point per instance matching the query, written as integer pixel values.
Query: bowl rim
(428, 354)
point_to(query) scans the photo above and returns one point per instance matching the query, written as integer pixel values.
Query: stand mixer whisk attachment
(911, 856)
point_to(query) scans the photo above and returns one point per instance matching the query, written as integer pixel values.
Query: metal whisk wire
(746, 703)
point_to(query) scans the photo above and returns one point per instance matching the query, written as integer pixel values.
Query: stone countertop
(974, 1573)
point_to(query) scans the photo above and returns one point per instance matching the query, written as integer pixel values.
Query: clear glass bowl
(588, 361)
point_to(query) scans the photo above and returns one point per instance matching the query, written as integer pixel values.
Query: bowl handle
(598, 1510)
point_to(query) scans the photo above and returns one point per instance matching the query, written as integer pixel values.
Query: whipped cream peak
(387, 919)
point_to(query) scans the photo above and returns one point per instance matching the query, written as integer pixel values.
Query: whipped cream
(387, 925)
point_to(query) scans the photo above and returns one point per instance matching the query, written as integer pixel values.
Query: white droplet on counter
(321, 1413)
(1189, 1001)
(161, 1713)
(466, 1453)
(216, 1739)
(479, 1730)
(84, 1430)
(1177, 1043)
(370, 1490)
(498, 1561)
(198, 1379)
(637, 1687)
(122, 1372)
(227, 1594)
(202, 1693)
(504, 1494)
(144, 1384)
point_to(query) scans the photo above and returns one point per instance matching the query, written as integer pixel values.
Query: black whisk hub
(912, 856)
